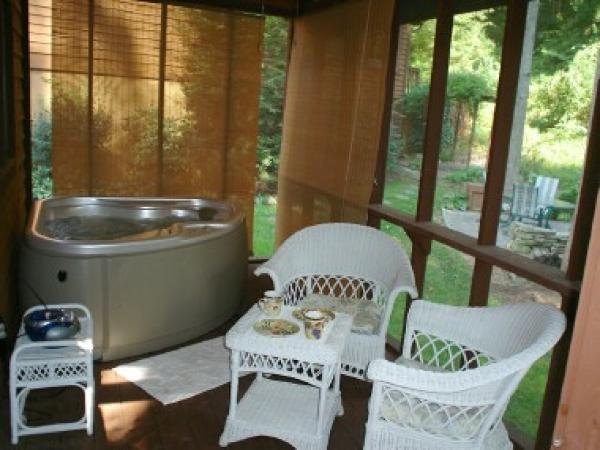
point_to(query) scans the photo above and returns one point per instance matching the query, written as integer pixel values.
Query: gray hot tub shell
(147, 288)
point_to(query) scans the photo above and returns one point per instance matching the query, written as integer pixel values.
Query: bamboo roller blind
(147, 102)
(334, 106)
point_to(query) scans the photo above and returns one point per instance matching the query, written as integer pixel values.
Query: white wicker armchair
(345, 261)
(458, 369)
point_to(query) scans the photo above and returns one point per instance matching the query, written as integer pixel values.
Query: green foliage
(421, 45)
(564, 28)
(395, 144)
(264, 227)
(414, 107)
(271, 101)
(142, 131)
(472, 174)
(455, 200)
(472, 50)
(69, 106)
(562, 99)
(558, 155)
(570, 194)
(470, 88)
(41, 161)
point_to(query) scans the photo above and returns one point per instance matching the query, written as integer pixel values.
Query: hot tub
(154, 272)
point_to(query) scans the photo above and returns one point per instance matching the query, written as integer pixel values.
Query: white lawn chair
(524, 203)
(547, 187)
(458, 370)
(344, 261)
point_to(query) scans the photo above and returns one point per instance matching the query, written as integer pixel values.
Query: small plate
(299, 313)
(275, 327)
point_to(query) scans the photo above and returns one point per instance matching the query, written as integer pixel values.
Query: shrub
(414, 108)
(41, 144)
(455, 200)
(472, 174)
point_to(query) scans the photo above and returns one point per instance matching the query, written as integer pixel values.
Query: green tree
(275, 46)
(414, 107)
(564, 28)
(468, 89)
(67, 124)
(41, 159)
(562, 99)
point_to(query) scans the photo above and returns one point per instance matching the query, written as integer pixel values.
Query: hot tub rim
(34, 239)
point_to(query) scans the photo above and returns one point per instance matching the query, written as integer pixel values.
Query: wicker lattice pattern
(51, 371)
(483, 354)
(445, 354)
(340, 286)
(411, 412)
(299, 413)
(346, 261)
(39, 365)
(306, 371)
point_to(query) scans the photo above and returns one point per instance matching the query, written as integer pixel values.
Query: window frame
(7, 106)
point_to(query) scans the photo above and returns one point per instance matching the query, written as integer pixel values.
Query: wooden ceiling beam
(421, 10)
(282, 8)
(409, 10)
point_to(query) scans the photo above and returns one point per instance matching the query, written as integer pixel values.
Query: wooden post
(26, 106)
(380, 168)
(518, 129)
(512, 46)
(582, 230)
(433, 134)
(160, 132)
(90, 99)
(556, 374)
(579, 412)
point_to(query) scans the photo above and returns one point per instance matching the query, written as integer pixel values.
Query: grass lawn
(447, 281)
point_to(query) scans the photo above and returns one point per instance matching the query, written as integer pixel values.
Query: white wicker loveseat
(345, 261)
(458, 369)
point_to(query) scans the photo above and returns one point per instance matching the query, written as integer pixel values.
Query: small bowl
(51, 324)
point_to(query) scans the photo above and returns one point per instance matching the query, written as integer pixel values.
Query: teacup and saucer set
(315, 320)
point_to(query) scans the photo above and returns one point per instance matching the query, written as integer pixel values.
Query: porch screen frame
(422, 230)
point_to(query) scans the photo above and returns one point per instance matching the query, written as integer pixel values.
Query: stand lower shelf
(287, 411)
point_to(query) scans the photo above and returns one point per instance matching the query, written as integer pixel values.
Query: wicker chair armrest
(279, 268)
(381, 370)
(405, 282)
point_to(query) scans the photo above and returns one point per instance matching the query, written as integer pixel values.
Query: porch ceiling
(410, 10)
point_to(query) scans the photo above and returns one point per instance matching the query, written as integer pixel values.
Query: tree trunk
(518, 128)
(472, 133)
(401, 81)
(457, 122)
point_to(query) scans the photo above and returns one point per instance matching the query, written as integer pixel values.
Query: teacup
(314, 323)
(271, 306)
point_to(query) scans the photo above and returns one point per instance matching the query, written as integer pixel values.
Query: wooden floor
(128, 418)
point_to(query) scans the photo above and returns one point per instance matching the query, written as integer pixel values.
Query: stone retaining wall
(541, 244)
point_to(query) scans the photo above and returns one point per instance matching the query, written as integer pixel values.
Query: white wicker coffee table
(301, 414)
(47, 364)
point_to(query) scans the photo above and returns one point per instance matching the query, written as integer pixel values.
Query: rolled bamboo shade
(148, 101)
(333, 110)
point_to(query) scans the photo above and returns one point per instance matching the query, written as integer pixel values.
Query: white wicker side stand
(45, 364)
(300, 414)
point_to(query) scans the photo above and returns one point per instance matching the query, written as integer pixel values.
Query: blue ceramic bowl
(51, 324)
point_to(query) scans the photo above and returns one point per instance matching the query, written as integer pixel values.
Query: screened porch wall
(150, 99)
(334, 104)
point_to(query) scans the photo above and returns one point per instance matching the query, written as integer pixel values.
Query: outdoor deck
(128, 418)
